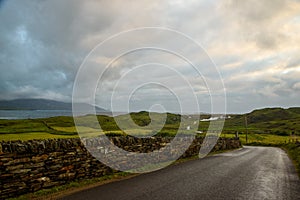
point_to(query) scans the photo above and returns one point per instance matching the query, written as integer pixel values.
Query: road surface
(248, 173)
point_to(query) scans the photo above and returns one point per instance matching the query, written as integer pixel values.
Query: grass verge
(293, 150)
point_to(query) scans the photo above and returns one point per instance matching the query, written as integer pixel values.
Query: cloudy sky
(253, 43)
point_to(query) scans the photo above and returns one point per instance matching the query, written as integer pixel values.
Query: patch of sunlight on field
(134, 132)
(64, 129)
(82, 129)
(91, 134)
(32, 136)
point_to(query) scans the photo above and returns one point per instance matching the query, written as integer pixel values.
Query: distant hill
(268, 120)
(42, 104)
(273, 114)
(295, 110)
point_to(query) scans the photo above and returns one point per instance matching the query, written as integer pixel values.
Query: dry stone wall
(29, 166)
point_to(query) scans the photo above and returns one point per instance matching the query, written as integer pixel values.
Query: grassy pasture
(32, 136)
(266, 126)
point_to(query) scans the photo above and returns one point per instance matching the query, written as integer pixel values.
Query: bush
(282, 133)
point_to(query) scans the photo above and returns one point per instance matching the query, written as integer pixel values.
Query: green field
(32, 136)
(265, 126)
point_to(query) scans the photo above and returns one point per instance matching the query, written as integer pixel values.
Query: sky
(251, 47)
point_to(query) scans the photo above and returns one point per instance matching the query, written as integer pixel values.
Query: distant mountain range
(43, 104)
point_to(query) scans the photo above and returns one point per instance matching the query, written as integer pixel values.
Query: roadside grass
(264, 139)
(293, 150)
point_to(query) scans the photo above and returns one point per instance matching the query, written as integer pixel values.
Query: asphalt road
(248, 173)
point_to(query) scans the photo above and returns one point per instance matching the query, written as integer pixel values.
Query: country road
(248, 173)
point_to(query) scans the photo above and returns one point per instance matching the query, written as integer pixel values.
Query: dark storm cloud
(41, 45)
